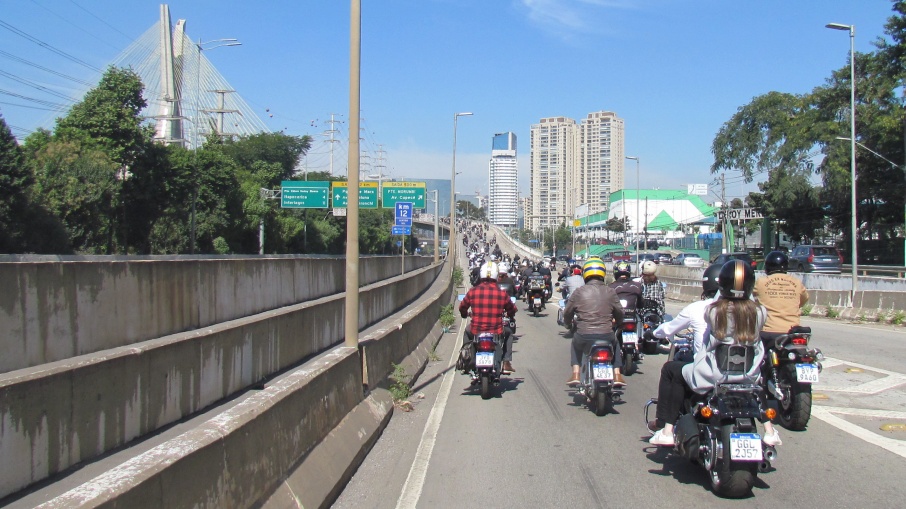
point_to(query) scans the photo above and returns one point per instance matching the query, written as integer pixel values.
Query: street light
(436, 254)
(852, 144)
(451, 244)
(200, 45)
(637, 218)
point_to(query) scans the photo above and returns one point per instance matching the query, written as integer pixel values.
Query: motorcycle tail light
(706, 412)
(800, 340)
(485, 345)
(629, 326)
(601, 356)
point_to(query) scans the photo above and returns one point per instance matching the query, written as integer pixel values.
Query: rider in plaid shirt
(488, 302)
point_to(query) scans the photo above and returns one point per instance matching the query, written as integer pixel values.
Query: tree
(15, 181)
(276, 148)
(468, 210)
(616, 224)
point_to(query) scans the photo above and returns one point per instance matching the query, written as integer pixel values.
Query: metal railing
(877, 270)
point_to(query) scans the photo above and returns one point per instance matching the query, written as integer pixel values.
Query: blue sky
(675, 70)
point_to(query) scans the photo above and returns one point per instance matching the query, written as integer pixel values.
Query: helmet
(621, 269)
(503, 267)
(594, 267)
(736, 280)
(776, 261)
(649, 267)
(546, 265)
(577, 271)
(709, 280)
(488, 271)
(493, 258)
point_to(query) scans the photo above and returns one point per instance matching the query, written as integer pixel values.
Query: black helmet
(710, 283)
(776, 261)
(736, 280)
(622, 269)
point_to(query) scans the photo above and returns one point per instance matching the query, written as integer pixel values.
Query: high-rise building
(503, 191)
(574, 164)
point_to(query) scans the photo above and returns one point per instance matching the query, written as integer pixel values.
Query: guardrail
(872, 270)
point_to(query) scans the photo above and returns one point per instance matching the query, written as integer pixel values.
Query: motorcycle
(718, 429)
(628, 338)
(650, 321)
(535, 295)
(789, 371)
(509, 324)
(488, 362)
(596, 378)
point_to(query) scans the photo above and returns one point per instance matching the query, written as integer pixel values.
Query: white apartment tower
(503, 191)
(601, 161)
(574, 164)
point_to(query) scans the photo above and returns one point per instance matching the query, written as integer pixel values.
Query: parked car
(808, 258)
(689, 260)
(618, 256)
(643, 257)
(725, 257)
(664, 257)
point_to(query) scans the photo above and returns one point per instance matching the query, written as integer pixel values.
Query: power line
(34, 85)
(92, 34)
(41, 67)
(47, 46)
(33, 99)
(101, 20)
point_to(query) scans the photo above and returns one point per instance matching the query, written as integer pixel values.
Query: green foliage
(400, 389)
(807, 309)
(881, 316)
(457, 276)
(898, 318)
(221, 246)
(831, 312)
(278, 149)
(468, 210)
(447, 318)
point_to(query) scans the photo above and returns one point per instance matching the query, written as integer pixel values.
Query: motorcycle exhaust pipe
(770, 456)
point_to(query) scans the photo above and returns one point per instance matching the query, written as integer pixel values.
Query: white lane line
(826, 414)
(891, 380)
(415, 481)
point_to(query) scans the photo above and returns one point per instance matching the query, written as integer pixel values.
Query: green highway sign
(393, 192)
(339, 193)
(298, 194)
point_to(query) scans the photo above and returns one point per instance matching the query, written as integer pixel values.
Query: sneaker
(573, 381)
(772, 439)
(507, 368)
(660, 438)
(653, 427)
(618, 380)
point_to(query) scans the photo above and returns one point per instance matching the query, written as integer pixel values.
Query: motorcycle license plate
(807, 373)
(603, 371)
(484, 359)
(630, 337)
(537, 301)
(745, 447)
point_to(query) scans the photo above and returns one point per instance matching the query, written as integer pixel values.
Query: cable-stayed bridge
(187, 97)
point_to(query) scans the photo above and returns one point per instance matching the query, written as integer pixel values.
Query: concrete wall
(513, 247)
(58, 414)
(55, 308)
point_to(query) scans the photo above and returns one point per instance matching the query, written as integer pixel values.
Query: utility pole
(723, 205)
(331, 132)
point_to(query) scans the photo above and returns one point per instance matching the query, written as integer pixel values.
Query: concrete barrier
(54, 308)
(513, 247)
(59, 414)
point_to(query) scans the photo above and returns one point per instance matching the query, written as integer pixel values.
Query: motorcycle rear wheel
(485, 387)
(797, 409)
(729, 479)
(629, 364)
(602, 403)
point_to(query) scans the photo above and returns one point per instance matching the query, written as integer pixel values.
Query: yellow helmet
(594, 267)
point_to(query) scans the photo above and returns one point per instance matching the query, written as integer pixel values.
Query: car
(741, 255)
(664, 257)
(620, 256)
(689, 260)
(809, 258)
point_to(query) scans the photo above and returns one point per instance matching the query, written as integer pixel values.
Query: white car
(689, 260)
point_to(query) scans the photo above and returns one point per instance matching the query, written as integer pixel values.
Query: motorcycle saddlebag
(686, 433)
(466, 360)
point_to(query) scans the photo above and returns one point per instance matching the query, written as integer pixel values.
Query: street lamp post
(436, 254)
(200, 46)
(451, 244)
(852, 145)
(637, 218)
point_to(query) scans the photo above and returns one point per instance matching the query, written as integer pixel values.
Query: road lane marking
(891, 380)
(826, 414)
(415, 481)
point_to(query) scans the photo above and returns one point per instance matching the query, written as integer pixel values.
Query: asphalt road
(534, 445)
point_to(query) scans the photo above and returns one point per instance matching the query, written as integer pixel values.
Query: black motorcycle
(789, 371)
(535, 294)
(596, 378)
(487, 364)
(719, 431)
(650, 321)
(628, 338)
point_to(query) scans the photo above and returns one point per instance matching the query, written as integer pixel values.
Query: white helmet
(488, 271)
(546, 264)
(649, 267)
(493, 258)
(503, 267)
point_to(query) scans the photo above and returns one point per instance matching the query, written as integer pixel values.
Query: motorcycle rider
(573, 283)
(504, 281)
(488, 303)
(693, 315)
(653, 294)
(782, 294)
(731, 319)
(594, 307)
(626, 288)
